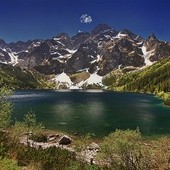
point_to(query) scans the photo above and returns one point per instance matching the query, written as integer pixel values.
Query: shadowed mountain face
(101, 51)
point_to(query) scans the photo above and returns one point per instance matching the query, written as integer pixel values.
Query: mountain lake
(93, 111)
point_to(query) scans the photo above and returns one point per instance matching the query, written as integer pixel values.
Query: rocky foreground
(87, 154)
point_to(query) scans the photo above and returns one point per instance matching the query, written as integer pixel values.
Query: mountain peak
(131, 34)
(2, 42)
(152, 37)
(126, 31)
(101, 28)
(62, 35)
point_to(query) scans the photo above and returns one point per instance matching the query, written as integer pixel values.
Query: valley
(84, 85)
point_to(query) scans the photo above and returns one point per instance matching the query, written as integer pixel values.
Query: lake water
(97, 112)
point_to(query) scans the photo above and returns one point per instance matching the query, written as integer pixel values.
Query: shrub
(39, 138)
(5, 108)
(8, 164)
(161, 154)
(52, 158)
(122, 150)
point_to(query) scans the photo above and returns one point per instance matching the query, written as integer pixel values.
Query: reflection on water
(95, 109)
(95, 112)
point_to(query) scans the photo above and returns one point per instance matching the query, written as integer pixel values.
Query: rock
(62, 123)
(65, 140)
(52, 137)
(94, 146)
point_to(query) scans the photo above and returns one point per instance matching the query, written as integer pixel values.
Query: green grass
(17, 78)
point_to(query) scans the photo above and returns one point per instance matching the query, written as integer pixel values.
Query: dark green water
(95, 112)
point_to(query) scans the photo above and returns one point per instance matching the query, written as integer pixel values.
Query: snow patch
(119, 66)
(61, 57)
(1, 54)
(94, 79)
(139, 43)
(137, 37)
(84, 69)
(120, 35)
(63, 78)
(55, 47)
(96, 60)
(71, 51)
(99, 58)
(4, 49)
(75, 87)
(60, 43)
(56, 39)
(14, 58)
(90, 56)
(81, 83)
(54, 52)
(3, 62)
(93, 61)
(85, 47)
(107, 36)
(146, 55)
(36, 44)
(132, 52)
(99, 44)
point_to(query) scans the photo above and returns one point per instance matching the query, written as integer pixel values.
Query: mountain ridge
(98, 52)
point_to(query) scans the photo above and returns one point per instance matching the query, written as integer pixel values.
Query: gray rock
(52, 137)
(65, 140)
(94, 146)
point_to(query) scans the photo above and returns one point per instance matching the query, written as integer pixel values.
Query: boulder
(64, 140)
(94, 146)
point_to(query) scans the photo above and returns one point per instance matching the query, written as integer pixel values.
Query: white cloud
(86, 19)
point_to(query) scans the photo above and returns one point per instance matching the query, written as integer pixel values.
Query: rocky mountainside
(93, 54)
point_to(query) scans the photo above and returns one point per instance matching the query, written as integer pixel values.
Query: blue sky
(31, 19)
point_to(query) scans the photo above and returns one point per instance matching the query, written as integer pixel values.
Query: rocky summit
(94, 54)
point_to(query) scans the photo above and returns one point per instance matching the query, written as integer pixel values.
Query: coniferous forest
(155, 79)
